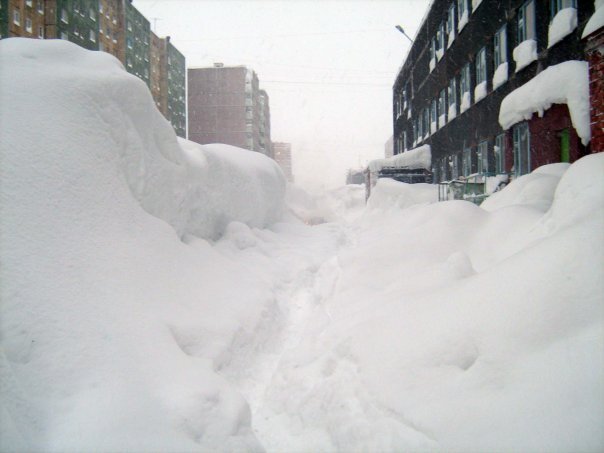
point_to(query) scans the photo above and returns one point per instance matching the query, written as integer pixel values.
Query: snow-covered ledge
(465, 102)
(463, 20)
(475, 4)
(452, 113)
(525, 53)
(417, 158)
(480, 91)
(596, 21)
(432, 64)
(565, 83)
(563, 25)
(501, 75)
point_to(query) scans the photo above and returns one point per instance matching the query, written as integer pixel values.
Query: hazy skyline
(328, 68)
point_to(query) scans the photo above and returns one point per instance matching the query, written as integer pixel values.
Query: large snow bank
(420, 157)
(198, 190)
(391, 194)
(446, 327)
(107, 339)
(535, 189)
(564, 83)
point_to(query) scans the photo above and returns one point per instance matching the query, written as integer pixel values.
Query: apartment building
(113, 26)
(469, 55)
(283, 156)
(226, 105)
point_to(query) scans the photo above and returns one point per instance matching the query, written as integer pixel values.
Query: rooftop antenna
(155, 19)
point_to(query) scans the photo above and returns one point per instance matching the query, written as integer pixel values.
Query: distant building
(266, 145)
(226, 105)
(467, 57)
(389, 147)
(355, 176)
(283, 156)
(115, 27)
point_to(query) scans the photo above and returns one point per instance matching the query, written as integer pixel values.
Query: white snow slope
(414, 327)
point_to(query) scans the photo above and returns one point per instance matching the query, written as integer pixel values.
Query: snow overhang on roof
(417, 158)
(564, 83)
(596, 22)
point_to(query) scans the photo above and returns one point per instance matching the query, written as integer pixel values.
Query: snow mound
(564, 83)
(596, 21)
(106, 340)
(391, 194)
(452, 328)
(535, 189)
(197, 190)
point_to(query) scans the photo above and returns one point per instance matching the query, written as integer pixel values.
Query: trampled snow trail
(309, 275)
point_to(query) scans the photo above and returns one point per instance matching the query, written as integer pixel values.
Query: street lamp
(399, 28)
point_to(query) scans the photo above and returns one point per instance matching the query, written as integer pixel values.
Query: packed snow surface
(564, 83)
(409, 326)
(480, 91)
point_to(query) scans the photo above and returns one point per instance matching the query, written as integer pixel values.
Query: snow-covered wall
(565, 83)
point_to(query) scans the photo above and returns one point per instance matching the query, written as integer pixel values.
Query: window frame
(500, 47)
(480, 66)
(522, 154)
(500, 154)
(526, 25)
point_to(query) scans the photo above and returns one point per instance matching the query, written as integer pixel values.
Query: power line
(328, 83)
(288, 35)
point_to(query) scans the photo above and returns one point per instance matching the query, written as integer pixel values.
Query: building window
(41, 32)
(129, 42)
(557, 5)
(29, 3)
(484, 164)
(16, 17)
(92, 36)
(526, 21)
(64, 36)
(440, 42)
(481, 66)
(64, 16)
(501, 46)
(415, 133)
(92, 14)
(28, 25)
(467, 162)
(451, 24)
(465, 88)
(500, 154)
(462, 13)
(40, 7)
(442, 108)
(522, 149)
(426, 122)
(129, 26)
(433, 116)
(101, 7)
(452, 95)
(480, 91)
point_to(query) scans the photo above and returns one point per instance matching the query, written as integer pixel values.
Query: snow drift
(431, 326)
(98, 291)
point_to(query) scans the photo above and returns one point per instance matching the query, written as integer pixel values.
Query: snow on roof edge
(595, 22)
(420, 158)
(564, 83)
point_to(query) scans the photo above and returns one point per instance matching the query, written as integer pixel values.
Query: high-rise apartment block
(226, 105)
(283, 156)
(113, 26)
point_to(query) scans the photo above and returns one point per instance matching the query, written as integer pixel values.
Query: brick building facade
(226, 105)
(283, 156)
(468, 55)
(595, 52)
(113, 26)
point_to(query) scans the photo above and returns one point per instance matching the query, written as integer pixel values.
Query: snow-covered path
(305, 263)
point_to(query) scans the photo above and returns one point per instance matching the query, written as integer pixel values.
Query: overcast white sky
(328, 67)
